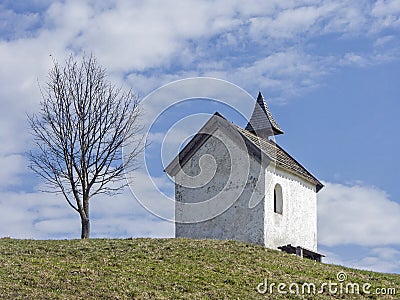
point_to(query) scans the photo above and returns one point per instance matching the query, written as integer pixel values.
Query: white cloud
(133, 227)
(357, 227)
(32, 215)
(355, 59)
(284, 73)
(358, 215)
(381, 41)
(386, 14)
(331, 257)
(128, 37)
(123, 216)
(386, 7)
(377, 259)
(385, 260)
(40, 215)
(12, 167)
(135, 37)
(311, 18)
(15, 25)
(286, 23)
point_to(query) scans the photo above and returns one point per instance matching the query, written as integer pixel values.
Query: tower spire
(262, 123)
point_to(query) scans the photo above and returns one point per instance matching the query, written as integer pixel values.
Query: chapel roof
(280, 156)
(262, 123)
(271, 149)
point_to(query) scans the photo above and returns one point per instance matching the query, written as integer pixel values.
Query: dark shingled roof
(280, 156)
(262, 123)
(268, 147)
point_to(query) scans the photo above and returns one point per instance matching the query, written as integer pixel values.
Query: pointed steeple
(261, 122)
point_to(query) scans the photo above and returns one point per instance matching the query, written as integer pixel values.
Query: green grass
(164, 269)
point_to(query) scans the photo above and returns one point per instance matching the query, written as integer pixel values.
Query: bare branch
(83, 123)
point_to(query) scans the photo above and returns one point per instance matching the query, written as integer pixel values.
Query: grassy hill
(168, 269)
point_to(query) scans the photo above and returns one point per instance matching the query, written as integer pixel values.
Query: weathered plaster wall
(220, 172)
(238, 222)
(298, 223)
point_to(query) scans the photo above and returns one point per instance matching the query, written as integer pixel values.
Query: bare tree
(83, 124)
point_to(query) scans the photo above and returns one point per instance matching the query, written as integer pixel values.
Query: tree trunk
(85, 228)
(85, 218)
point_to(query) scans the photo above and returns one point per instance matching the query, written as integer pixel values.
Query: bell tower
(262, 123)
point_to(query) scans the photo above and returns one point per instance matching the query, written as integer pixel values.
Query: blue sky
(329, 69)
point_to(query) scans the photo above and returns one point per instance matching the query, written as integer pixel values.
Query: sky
(329, 71)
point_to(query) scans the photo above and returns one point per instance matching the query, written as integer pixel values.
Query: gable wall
(231, 177)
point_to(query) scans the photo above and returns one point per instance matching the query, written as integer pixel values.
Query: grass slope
(164, 269)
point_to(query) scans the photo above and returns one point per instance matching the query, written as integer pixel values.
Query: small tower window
(278, 199)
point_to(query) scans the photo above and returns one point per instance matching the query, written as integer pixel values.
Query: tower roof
(262, 123)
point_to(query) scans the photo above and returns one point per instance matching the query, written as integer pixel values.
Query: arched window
(278, 199)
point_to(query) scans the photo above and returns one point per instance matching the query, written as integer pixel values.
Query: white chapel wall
(297, 225)
(238, 222)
